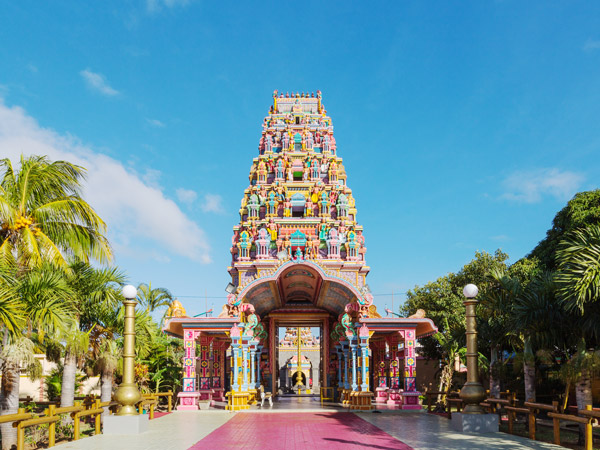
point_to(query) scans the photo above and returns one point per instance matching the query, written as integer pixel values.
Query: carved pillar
(325, 352)
(258, 358)
(245, 366)
(353, 349)
(410, 396)
(204, 371)
(188, 398)
(236, 357)
(364, 351)
(346, 353)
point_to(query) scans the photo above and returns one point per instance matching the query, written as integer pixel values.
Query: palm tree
(41, 291)
(43, 216)
(43, 219)
(105, 365)
(578, 280)
(153, 298)
(97, 297)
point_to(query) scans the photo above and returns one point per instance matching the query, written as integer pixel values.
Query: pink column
(395, 392)
(410, 396)
(188, 398)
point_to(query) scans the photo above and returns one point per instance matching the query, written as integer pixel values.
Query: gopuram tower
(298, 263)
(298, 203)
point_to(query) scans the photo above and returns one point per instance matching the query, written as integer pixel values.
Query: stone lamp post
(473, 419)
(127, 420)
(128, 394)
(472, 392)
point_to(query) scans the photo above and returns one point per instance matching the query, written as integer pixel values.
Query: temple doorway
(299, 360)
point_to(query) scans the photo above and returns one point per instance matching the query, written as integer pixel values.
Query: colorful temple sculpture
(298, 262)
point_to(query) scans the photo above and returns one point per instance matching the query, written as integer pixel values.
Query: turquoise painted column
(340, 362)
(236, 355)
(353, 349)
(363, 333)
(245, 367)
(253, 367)
(258, 353)
(346, 357)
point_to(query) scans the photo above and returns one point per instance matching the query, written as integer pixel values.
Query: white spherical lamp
(470, 291)
(129, 292)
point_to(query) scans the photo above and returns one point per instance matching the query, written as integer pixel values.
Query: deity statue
(324, 205)
(286, 141)
(306, 174)
(287, 208)
(272, 204)
(280, 169)
(309, 207)
(333, 172)
(323, 229)
(268, 143)
(243, 209)
(315, 168)
(309, 141)
(290, 174)
(326, 143)
(244, 245)
(262, 172)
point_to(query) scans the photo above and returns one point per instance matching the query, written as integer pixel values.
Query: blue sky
(463, 126)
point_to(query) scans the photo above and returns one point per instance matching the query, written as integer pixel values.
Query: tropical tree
(105, 365)
(153, 298)
(43, 216)
(578, 280)
(96, 294)
(43, 219)
(42, 292)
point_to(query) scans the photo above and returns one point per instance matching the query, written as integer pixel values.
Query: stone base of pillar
(237, 401)
(205, 394)
(188, 401)
(410, 400)
(381, 395)
(252, 396)
(475, 423)
(395, 398)
(361, 401)
(218, 395)
(122, 425)
(346, 396)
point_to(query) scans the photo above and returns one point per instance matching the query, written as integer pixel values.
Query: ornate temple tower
(298, 203)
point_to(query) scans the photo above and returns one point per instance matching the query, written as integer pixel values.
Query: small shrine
(298, 261)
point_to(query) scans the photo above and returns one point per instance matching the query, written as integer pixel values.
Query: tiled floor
(299, 431)
(424, 431)
(286, 428)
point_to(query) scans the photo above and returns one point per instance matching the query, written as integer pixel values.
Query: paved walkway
(303, 430)
(424, 431)
(299, 431)
(177, 431)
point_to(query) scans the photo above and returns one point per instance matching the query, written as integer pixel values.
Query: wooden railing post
(510, 413)
(589, 437)
(531, 421)
(97, 418)
(51, 426)
(169, 399)
(75, 426)
(20, 433)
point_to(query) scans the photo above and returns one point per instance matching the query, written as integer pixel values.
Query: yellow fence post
(589, 437)
(97, 418)
(169, 400)
(51, 426)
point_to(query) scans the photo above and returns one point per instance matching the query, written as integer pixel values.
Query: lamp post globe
(472, 392)
(129, 292)
(470, 291)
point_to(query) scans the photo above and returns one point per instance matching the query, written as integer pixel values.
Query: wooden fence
(89, 406)
(508, 405)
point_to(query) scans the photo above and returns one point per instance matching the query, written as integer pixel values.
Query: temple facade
(298, 261)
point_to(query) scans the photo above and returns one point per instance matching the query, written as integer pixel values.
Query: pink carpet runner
(295, 431)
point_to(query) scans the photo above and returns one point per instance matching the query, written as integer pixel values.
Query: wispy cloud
(32, 68)
(212, 203)
(156, 5)
(186, 196)
(155, 123)
(500, 238)
(140, 217)
(591, 45)
(98, 83)
(531, 185)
